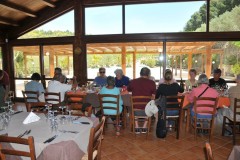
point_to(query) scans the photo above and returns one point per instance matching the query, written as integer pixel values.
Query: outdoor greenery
(236, 69)
(44, 34)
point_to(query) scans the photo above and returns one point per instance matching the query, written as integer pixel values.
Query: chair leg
(234, 134)
(195, 128)
(149, 126)
(178, 127)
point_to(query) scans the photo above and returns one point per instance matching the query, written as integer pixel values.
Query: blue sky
(144, 18)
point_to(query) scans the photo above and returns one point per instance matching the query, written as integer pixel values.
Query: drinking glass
(62, 108)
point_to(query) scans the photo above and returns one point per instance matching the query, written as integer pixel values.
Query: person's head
(168, 76)
(57, 71)
(1, 74)
(36, 77)
(203, 79)
(110, 81)
(238, 79)
(145, 72)
(217, 73)
(119, 73)
(102, 71)
(192, 73)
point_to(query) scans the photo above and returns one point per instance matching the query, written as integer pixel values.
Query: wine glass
(62, 108)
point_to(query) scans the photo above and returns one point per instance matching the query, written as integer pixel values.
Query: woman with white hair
(120, 79)
(203, 89)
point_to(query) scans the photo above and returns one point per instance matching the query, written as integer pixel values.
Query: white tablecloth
(59, 148)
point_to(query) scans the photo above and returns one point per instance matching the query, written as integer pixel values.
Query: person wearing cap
(210, 92)
(35, 86)
(4, 86)
(120, 79)
(216, 80)
(101, 80)
(234, 92)
(169, 88)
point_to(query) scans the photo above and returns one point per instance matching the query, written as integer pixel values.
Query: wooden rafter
(7, 21)
(16, 7)
(49, 3)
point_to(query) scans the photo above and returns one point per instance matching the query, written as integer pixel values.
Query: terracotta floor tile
(118, 156)
(223, 151)
(200, 151)
(172, 158)
(109, 150)
(219, 157)
(173, 149)
(187, 155)
(219, 141)
(184, 144)
(161, 153)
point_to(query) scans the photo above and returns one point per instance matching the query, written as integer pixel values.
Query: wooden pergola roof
(133, 47)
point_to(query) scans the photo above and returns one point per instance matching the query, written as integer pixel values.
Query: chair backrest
(9, 151)
(140, 101)
(205, 105)
(30, 96)
(52, 97)
(35, 104)
(176, 101)
(236, 109)
(209, 151)
(95, 140)
(75, 98)
(107, 101)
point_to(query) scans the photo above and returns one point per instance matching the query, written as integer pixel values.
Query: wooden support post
(180, 65)
(189, 62)
(208, 61)
(203, 59)
(57, 60)
(124, 59)
(51, 64)
(134, 64)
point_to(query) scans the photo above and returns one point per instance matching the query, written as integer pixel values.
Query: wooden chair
(178, 102)
(114, 102)
(209, 151)
(53, 98)
(9, 151)
(32, 106)
(31, 97)
(95, 142)
(75, 102)
(208, 109)
(139, 101)
(232, 121)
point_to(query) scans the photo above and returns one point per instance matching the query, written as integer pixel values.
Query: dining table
(71, 142)
(235, 153)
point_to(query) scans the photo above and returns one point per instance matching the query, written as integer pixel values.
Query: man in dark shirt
(142, 86)
(216, 80)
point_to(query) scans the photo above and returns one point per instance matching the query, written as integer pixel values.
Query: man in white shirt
(56, 86)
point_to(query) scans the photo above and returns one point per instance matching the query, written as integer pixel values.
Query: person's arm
(191, 96)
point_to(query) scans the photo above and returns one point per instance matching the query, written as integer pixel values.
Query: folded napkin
(32, 117)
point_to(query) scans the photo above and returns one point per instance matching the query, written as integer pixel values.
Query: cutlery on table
(50, 139)
(20, 135)
(17, 112)
(64, 131)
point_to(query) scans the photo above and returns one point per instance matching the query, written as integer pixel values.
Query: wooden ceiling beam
(16, 7)
(7, 21)
(45, 15)
(49, 3)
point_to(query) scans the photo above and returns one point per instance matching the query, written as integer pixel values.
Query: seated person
(57, 86)
(142, 86)
(234, 92)
(4, 87)
(101, 80)
(35, 86)
(58, 71)
(111, 89)
(216, 80)
(120, 79)
(162, 80)
(169, 88)
(202, 86)
(192, 82)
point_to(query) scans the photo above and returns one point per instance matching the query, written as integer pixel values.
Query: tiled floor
(128, 147)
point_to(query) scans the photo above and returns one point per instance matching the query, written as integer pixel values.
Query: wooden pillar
(203, 59)
(51, 64)
(134, 64)
(56, 60)
(79, 45)
(180, 65)
(208, 61)
(189, 62)
(124, 59)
